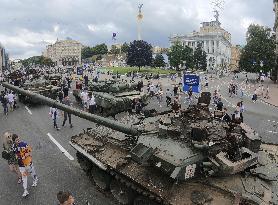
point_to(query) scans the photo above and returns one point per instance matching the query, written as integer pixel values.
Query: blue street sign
(193, 81)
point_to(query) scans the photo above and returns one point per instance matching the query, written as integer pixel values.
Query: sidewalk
(273, 93)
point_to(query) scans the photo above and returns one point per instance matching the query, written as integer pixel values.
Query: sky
(27, 26)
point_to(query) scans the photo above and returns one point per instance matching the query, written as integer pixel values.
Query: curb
(269, 103)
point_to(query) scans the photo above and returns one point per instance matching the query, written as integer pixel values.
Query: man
(86, 80)
(84, 98)
(54, 115)
(92, 104)
(219, 105)
(67, 115)
(4, 101)
(168, 97)
(65, 198)
(152, 89)
(23, 153)
(66, 91)
(11, 100)
(226, 117)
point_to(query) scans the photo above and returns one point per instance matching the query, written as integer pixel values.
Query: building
(235, 57)
(215, 41)
(3, 59)
(64, 52)
(159, 50)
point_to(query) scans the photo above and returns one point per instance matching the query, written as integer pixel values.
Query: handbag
(6, 155)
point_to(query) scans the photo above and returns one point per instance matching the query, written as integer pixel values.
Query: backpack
(6, 155)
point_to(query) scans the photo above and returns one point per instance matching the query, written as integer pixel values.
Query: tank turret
(190, 158)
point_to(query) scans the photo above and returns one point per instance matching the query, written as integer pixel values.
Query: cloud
(26, 27)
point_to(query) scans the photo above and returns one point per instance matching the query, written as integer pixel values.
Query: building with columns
(215, 41)
(64, 52)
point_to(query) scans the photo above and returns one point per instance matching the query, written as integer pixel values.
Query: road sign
(193, 81)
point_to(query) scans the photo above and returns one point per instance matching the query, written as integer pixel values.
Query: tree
(87, 52)
(125, 47)
(158, 61)
(200, 58)
(259, 50)
(114, 50)
(139, 54)
(100, 49)
(180, 56)
(37, 60)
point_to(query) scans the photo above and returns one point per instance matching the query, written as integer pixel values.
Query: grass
(124, 70)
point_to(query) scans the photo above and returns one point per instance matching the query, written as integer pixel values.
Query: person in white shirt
(152, 89)
(54, 115)
(11, 100)
(84, 98)
(92, 104)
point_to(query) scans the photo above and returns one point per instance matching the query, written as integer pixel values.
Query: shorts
(25, 171)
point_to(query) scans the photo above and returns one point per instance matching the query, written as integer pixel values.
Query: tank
(190, 158)
(42, 87)
(113, 97)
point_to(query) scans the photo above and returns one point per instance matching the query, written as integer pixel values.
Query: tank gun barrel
(85, 115)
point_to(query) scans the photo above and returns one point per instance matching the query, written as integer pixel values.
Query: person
(23, 152)
(254, 97)
(267, 93)
(54, 115)
(11, 157)
(86, 80)
(219, 105)
(190, 93)
(92, 104)
(60, 96)
(241, 110)
(67, 115)
(65, 198)
(215, 97)
(4, 101)
(159, 95)
(176, 106)
(175, 90)
(168, 97)
(226, 117)
(66, 90)
(84, 98)
(11, 97)
(152, 89)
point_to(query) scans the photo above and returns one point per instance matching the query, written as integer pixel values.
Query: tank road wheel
(142, 200)
(123, 194)
(84, 162)
(101, 178)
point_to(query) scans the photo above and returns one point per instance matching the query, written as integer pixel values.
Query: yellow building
(64, 52)
(235, 57)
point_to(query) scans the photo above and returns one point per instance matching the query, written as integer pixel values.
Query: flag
(114, 36)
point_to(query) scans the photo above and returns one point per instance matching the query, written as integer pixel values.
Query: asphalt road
(57, 171)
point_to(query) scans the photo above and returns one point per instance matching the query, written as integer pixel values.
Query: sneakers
(35, 182)
(25, 193)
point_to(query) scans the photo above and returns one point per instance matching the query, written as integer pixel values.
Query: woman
(12, 161)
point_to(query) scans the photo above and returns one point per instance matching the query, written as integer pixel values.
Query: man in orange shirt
(23, 153)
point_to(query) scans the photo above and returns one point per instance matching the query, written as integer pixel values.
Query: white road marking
(65, 152)
(28, 110)
(268, 120)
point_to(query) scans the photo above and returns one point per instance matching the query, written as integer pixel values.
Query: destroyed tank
(42, 87)
(113, 97)
(190, 158)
